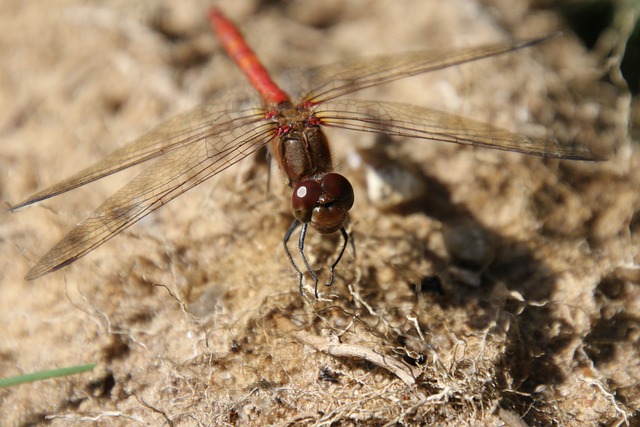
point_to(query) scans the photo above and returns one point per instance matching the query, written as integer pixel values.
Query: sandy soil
(507, 293)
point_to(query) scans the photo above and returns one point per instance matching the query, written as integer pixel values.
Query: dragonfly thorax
(302, 152)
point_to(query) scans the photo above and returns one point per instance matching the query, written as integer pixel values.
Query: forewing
(328, 82)
(202, 122)
(177, 172)
(418, 122)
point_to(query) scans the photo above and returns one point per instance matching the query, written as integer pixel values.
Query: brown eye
(339, 188)
(304, 198)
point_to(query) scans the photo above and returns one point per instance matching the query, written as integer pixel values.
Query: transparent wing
(177, 172)
(418, 122)
(204, 121)
(328, 82)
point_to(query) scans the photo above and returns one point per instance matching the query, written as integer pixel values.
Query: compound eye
(304, 199)
(340, 190)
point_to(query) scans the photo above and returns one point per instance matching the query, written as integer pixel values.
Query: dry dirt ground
(507, 293)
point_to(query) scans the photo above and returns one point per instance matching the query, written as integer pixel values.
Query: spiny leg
(303, 233)
(267, 157)
(345, 237)
(287, 236)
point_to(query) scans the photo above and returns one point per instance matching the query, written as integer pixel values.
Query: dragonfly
(195, 146)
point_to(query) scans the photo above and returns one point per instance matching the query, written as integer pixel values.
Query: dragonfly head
(323, 202)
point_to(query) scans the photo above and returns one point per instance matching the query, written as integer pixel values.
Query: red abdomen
(239, 50)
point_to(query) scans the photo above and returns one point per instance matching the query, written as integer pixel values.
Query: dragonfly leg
(303, 233)
(345, 238)
(267, 157)
(287, 236)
